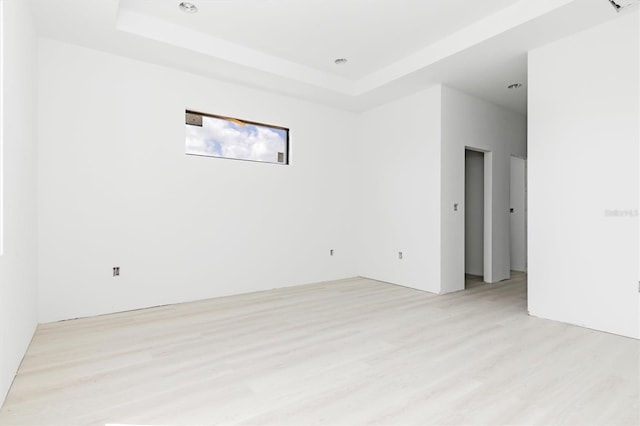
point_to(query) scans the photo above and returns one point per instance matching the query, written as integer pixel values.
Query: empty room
(338, 212)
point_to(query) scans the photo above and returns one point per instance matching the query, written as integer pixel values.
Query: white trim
(2, 93)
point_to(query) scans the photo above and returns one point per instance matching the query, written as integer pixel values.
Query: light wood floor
(349, 352)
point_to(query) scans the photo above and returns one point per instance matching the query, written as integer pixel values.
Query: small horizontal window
(225, 137)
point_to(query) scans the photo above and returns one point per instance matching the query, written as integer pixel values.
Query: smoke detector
(618, 5)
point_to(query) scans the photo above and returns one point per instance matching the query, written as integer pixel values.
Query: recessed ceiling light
(188, 7)
(340, 61)
(514, 86)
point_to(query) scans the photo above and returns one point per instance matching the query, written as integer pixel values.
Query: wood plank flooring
(348, 352)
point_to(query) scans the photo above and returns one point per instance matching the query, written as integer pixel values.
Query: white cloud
(222, 138)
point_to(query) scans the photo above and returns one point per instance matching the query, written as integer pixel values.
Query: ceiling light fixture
(188, 7)
(621, 4)
(341, 61)
(514, 86)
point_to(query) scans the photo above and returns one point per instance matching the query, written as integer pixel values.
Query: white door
(518, 215)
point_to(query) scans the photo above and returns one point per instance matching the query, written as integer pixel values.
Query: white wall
(518, 218)
(471, 122)
(412, 165)
(399, 191)
(583, 163)
(474, 213)
(18, 317)
(116, 189)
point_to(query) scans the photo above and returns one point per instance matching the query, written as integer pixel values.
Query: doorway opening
(474, 217)
(518, 215)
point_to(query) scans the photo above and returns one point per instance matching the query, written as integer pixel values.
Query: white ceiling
(394, 47)
(371, 34)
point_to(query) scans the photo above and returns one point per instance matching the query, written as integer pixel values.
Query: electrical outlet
(331, 252)
(400, 255)
(116, 271)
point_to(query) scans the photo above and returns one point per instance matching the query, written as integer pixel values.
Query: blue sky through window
(223, 138)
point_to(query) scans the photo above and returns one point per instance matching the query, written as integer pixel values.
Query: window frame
(235, 120)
